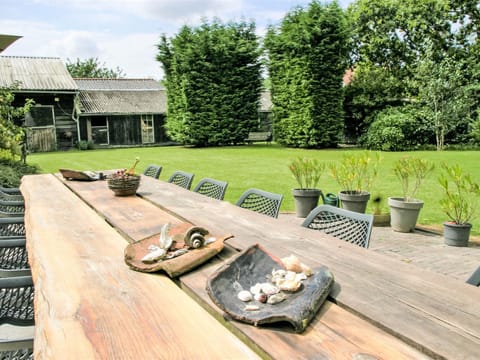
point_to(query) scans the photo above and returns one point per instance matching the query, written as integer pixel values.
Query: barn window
(147, 129)
(99, 130)
(40, 116)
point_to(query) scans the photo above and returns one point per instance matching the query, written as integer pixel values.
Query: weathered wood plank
(130, 215)
(90, 305)
(432, 312)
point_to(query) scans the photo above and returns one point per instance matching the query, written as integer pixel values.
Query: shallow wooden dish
(252, 266)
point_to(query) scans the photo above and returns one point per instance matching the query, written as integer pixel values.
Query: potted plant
(380, 217)
(307, 173)
(355, 174)
(404, 211)
(459, 203)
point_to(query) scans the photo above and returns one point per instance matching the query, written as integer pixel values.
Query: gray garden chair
(11, 190)
(16, 309)
(474, 279)
(153, 171)
(10, 196)
(12, 227)
(261, 201)
(346, 225)
(182, 179)
(13, 257)
(212, 188)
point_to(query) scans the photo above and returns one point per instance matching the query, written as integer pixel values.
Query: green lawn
(262, 166)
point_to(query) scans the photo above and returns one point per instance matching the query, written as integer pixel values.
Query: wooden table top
(379, 307)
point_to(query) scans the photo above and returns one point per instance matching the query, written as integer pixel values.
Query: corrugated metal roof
(123, 102)
(35, 73)
(118, 84)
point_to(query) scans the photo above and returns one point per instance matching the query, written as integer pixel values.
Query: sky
(122, 33)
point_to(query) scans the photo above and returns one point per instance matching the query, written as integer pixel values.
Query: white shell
(154, 255)
(290, 285)
(292, 263)
(256, 289)
(165, 240)
(252, 308)
(276, 298)
(269, 289)
(245, 295)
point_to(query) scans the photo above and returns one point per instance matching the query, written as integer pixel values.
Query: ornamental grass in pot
(411, 172)
(307, 173)
(459, 203)
(355, 174)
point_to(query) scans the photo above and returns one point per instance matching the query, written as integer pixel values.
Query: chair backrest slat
(181, 178)
(261, 201)
(16, 300)
(153, 171)
(346, 225)
(212, 188)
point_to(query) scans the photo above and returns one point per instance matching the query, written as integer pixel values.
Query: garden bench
(259, 137)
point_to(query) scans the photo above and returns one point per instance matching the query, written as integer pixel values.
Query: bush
(11, 172)
(398, 129)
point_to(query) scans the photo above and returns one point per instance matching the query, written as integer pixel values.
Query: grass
(264, 167)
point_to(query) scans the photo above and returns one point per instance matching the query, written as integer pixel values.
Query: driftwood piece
(252, 266)
(80, 175)
(178, 265)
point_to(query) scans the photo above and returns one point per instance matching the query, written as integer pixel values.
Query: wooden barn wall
(159, 128)
(65, 127)
(124, 130)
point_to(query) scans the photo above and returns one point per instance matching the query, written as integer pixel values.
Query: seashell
(154, 255)
(165, 239)
(245, 295)
(290, 285)
(307, 270)
(256, 289)
(176, 253)
(276, 298)
(195, 237)
(269, 289)
(261, 297)
(292, 263)
(252, 308)
(210, 240)
(290, 275)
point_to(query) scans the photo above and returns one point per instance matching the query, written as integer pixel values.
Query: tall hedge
(213, 81)
(308, 56)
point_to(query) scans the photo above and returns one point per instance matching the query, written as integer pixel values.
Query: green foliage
(11, 135)
(443, 94)
(371, 91)
(460, 201)
(356, 172)
(307, 172)
(213, 83)
(410, 168)
(11, 172)
(307, 59)
(92, 68)
(398, 129)
(85, 145)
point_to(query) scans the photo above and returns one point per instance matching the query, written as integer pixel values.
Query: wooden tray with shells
(177, 250)
(258, 288)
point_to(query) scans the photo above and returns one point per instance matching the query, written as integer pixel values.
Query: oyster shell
(292, 263)
(154, 255)
(245, 295)
(276, 298)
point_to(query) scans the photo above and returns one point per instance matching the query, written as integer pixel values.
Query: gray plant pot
(354, 200)
(404, 215)
(305, 201)
(456, 234)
